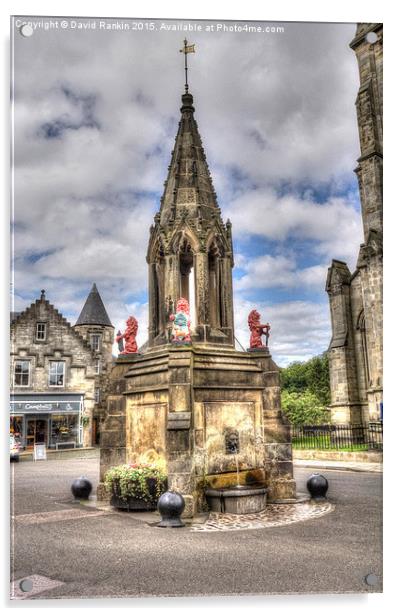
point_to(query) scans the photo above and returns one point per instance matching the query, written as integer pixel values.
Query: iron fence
(347, 437)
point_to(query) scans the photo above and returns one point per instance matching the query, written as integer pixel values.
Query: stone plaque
(146, 426)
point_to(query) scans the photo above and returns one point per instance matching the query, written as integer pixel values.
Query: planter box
(133, 503)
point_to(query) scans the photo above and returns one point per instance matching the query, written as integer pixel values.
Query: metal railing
(347, 437)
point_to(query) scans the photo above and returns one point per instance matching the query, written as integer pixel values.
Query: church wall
(359, 359)
(372, 284)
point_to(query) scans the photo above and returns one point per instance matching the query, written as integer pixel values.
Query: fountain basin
(237, 499)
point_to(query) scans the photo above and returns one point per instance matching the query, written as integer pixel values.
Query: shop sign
(44, 406)
(39, 452)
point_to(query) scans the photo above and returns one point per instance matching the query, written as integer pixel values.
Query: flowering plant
(141, 481)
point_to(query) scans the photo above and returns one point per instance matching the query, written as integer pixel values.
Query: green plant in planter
(142, 481)
(85, 420)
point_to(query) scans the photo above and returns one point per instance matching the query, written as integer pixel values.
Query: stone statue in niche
(129, 336)
(181, 323)
(232, 441)
(257, 330)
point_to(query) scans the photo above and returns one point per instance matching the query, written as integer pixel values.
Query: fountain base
(237, 499)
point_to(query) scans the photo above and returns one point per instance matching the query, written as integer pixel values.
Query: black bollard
(171, 506)
(81, 488)
(317, 486)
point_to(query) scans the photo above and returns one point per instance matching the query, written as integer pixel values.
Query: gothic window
(22, 373)
(361, 325)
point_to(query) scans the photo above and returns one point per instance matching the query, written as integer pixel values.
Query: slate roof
(94, 312)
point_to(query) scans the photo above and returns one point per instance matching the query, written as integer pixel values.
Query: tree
(303, 408)
(306, 390)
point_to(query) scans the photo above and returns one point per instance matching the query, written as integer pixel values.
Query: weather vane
(186, 49)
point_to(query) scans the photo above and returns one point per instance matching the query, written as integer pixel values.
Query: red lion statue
(181, 322)
(129, 335)
(257, 330)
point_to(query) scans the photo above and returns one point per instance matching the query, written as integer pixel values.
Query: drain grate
(33, 585)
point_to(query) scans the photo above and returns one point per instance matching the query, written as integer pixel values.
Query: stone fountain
(239, 498)
(211, 414)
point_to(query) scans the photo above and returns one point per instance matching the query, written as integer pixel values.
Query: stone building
(355, 352)
(178, 404)
(58, 372)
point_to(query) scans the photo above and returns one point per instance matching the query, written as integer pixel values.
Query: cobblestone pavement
(273, 515)
(347, 465)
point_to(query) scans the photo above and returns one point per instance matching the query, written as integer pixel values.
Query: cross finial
(187, 49)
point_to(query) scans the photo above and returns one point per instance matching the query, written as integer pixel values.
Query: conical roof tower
(93, 311)
(190, 252)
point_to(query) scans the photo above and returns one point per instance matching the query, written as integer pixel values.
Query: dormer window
(41, 331)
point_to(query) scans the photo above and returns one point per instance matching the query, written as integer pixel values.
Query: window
(57, 374)
(40, 331)
(21, 373)
(98, 366)
(97, 395)
(95, 341)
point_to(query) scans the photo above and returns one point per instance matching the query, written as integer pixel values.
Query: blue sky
(95, 116)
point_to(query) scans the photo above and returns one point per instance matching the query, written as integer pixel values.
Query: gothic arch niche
(157, 285)
(187, 282)
(215, 278)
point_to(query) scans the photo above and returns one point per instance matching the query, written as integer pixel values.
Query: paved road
(120, 555)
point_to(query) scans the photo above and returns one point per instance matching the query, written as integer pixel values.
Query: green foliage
(312, 375)
(306, 390)
(132, 480)
(318, 378)
(303, 408)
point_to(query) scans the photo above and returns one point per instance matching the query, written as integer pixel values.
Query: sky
(95, 117)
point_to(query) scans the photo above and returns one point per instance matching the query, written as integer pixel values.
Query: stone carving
(129, 335)
(232, 441)
(181, 322)
(257, 330)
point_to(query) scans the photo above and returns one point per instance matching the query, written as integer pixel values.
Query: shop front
(52, 420)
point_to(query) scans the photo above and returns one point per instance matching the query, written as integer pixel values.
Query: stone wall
(177, 405)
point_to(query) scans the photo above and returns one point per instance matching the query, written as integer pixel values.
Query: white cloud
(279, 272)
(272, 110)
(299, 330)
(334, 226)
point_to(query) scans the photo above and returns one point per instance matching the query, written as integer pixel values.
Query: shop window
(95, 341)
(57, 374)
(64, 429)
(41, 331)
(21, 373)
(16, 425)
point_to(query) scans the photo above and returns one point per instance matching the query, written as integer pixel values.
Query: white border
(284, 10)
